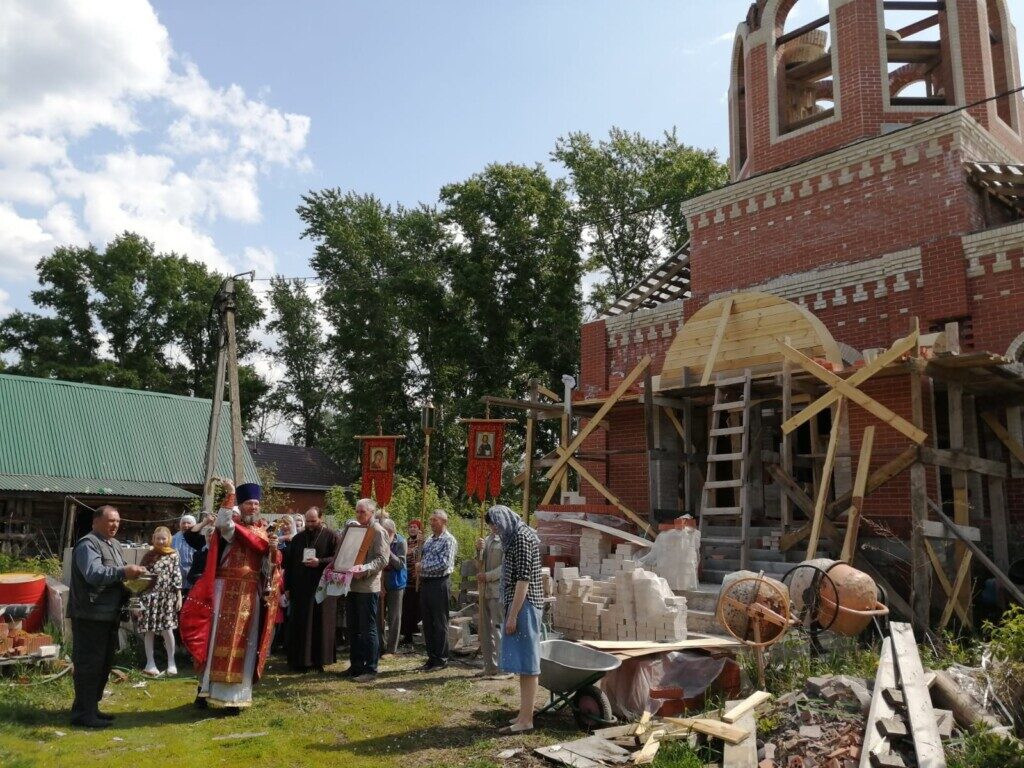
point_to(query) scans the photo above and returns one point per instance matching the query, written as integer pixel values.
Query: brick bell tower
(803, 83)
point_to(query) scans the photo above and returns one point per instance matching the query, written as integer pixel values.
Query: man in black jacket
(97, 594)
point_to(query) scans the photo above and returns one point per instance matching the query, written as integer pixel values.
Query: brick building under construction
(838, 348)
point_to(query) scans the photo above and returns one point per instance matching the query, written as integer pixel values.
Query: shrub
(48, 566)
(985, 750)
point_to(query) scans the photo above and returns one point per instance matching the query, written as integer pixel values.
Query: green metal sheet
(67, 430)
(81, 486)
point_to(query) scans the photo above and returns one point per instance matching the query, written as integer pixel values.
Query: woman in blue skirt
(522, 595)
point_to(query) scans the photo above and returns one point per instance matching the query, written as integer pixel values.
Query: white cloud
(70, 69)
(22, 242)
(5, 307)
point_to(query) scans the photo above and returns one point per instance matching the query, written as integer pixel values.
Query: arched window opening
(918, 62)
(1001, 61)
(803, 65)
(739, 114)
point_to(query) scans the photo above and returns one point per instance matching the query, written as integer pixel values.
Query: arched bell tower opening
(803, 65)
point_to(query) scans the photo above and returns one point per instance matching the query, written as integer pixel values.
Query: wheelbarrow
(569, 670)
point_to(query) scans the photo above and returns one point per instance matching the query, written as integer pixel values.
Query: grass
(403, 719)
(789, 662)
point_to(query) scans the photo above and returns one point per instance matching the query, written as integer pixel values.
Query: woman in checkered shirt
(523, 599)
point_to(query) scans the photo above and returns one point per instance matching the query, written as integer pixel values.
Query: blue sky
(200, 124)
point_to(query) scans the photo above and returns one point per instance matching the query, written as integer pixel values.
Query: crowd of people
(233, 587)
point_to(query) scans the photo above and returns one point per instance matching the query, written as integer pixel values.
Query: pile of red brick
(14, 641)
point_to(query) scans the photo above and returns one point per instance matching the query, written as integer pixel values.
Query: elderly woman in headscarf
(522, 595)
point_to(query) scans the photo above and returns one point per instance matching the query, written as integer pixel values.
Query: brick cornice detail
(907, 146)
(828, 285)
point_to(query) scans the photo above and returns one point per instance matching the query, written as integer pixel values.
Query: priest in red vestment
(228, 620)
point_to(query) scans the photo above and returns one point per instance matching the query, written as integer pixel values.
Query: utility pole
(227, 368)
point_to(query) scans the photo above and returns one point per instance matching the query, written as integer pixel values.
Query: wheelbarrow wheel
(591, 708)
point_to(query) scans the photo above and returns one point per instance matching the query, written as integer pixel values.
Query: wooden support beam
(826, 480)
(676, 424)
(601, 413)
(786, 447)
(850, 391)
(528, 452)
(961, 584)
(877, 479)
(920, 570)
(860, 485)
(1004, 436)
(723, 321)
(791, 489)
(653, 449)
(997, 509)
(611, 497)
(553, 486)
(947, 588)
(963, 461)
(541, 389)
(1003, 579)
(894, 353)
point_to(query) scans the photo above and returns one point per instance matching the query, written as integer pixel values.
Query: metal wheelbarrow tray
(569, 670)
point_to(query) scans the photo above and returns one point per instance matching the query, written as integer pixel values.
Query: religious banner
(483, 469)
(379, 467)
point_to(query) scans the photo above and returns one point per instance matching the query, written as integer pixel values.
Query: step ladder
(724, 497)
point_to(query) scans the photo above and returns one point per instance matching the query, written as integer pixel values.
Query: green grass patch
(404, 719)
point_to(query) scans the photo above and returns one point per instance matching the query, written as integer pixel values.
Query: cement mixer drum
(753, 609)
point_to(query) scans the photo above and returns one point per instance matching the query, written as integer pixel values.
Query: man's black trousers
(434, 601)
(92, 653)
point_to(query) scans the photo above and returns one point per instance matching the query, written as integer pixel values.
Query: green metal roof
(60, 429)
(81, 486)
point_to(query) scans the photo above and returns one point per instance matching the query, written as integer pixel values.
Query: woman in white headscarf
(522, 595)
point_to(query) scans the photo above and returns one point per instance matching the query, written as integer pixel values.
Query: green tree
(128, 316)
(310, 383)
(628, 191)
(359, 261)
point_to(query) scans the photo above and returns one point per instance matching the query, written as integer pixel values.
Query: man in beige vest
(488, 579)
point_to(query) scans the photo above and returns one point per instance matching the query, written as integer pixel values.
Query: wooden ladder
(727, 470)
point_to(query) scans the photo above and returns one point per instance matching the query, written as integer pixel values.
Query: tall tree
(358, 258)
(628, 191)
(310, 382)
(128, 316)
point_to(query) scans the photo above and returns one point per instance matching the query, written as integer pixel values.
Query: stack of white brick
(595, 548)
(633, 604)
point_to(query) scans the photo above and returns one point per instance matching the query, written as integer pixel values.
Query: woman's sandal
(512, 730)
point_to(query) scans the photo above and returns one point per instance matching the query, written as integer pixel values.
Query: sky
(201, 124)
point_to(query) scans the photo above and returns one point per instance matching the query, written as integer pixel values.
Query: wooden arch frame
(738, 332)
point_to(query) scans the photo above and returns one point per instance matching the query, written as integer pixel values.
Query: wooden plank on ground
(723, 321)
(584, 433)
(730, 734)
(885, 677)
(923, 728)
(744, 754)
(738, 709)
